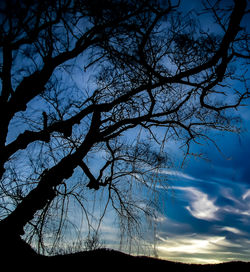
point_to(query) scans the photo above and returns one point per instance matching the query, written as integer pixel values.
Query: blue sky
(207, 207)
(205, 214)
(207, 210)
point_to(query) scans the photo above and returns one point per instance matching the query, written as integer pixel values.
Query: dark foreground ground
(106, 260)
(117, 261)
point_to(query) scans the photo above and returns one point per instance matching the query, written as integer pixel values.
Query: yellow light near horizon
(191, 246)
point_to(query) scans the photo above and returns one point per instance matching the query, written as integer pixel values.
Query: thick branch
(6, 73)
(93, 182)
(46, 188)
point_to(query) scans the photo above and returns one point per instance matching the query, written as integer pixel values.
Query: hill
(111, 260)
(115, 260)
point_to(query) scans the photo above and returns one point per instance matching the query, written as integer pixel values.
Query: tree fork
(46, 189)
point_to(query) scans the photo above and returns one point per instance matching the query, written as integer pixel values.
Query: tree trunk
(12, 227)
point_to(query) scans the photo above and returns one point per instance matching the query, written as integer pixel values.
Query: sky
(206, 217)
(206, 214)
(206, 209)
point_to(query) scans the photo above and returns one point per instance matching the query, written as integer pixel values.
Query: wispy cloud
(175, 173)
(246, 195)
(236, 211)
(232, 230)
(240, 205)
(191, 245)
(201, 206)
(197, 248)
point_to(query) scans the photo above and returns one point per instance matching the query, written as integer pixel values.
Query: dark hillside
(105, 260)
(114, 261)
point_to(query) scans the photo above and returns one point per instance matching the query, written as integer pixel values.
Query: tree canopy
(94, 92)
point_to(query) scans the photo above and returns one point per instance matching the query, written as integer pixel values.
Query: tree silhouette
(77, 77)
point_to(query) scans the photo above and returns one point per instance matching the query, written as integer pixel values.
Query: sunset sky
(208, 207)
(204, 200)
(206, 216)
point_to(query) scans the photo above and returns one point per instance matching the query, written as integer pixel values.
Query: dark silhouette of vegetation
(106, 257)
(78, 76)
(113, 260)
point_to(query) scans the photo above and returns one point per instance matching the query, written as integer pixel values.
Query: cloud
(246, 195)
(197, 248)
(232, 230)
(201, 206)
(174, 173)
(191, 245)
(240, 205)
(190, 249)
(160, 218)
(237, 211)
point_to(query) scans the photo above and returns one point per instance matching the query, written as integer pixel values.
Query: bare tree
(93, 92)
